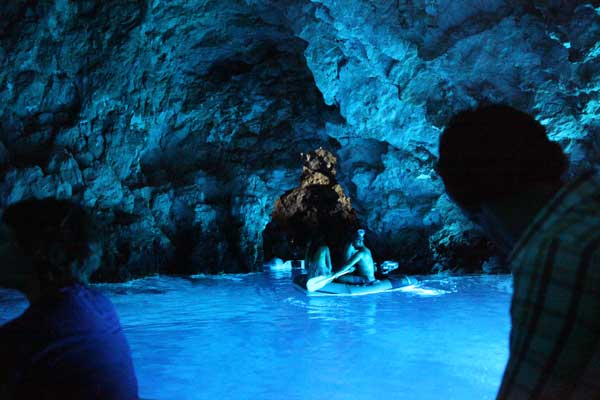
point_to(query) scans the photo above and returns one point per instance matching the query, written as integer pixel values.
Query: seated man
(356, 253)
(69, 343)
(502, 170)
(318, 257)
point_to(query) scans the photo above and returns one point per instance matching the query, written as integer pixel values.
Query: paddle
(316, 283)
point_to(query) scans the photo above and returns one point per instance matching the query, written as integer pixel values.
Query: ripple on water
(255, 336)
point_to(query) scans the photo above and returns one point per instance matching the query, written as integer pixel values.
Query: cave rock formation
(179, 123)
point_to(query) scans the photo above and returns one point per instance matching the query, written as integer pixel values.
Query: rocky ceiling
(180, 123)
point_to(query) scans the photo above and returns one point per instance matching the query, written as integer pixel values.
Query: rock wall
(317, 207)
(180, 123)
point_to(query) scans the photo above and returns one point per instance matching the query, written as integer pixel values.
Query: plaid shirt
(555, 311)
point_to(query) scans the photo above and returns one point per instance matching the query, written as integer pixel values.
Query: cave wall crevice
(179, 124)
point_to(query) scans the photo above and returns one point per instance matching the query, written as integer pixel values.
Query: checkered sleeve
(555, 334)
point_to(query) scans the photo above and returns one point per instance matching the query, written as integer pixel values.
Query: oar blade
(316, 283)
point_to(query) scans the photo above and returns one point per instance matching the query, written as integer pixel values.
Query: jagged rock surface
(180, 123)
(317, 206)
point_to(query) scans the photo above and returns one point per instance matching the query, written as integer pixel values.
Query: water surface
(257, 337)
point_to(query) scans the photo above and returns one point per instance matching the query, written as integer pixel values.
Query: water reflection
(255, 335)
(282, 269)
(419, 290)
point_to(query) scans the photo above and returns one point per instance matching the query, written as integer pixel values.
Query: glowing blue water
(256, 337)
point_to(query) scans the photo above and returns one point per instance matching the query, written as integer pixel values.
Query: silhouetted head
(54, 241)
(495, 152)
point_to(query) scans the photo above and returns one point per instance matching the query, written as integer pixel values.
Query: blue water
(257, 337)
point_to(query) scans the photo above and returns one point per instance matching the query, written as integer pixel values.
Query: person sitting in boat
(356, 253)
(69, 343)
(318, 257)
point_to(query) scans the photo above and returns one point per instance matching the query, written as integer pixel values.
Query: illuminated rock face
(181, 123)
(318, 206)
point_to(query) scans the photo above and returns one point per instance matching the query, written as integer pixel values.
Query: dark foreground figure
(498, 165)
(69, 343)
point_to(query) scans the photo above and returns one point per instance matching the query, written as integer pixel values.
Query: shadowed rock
(319, 204)
(180, 123)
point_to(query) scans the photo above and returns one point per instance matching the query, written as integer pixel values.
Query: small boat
(388, 284)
